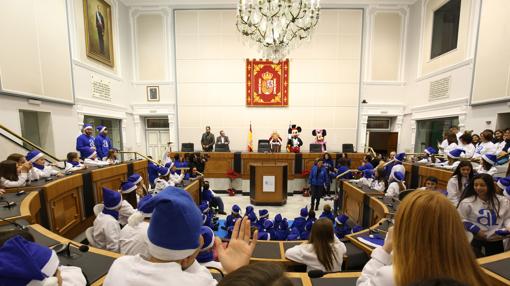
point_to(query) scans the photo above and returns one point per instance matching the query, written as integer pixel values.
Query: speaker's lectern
(268, 184)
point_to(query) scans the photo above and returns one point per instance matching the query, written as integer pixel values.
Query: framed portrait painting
(97, 15)
(152, 93)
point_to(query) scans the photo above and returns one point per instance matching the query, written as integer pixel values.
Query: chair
(89, 234)
(348, 148)
(221, 147)
(315, 148)
(263, 146)
(187, 147)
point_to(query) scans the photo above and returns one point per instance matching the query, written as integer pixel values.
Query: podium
(268, 184)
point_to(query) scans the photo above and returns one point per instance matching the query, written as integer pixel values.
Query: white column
(138, 129)
(362, 135)
(398, 128)
(413, 134)
(173, 132)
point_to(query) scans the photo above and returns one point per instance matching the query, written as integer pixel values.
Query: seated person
(396, 186)
(308, 228)
(106, 225)
(282, 231)
(327, 213)
(311, 216)
(453, 160)
(208, 217)
(141, 189)
(132, 237)
(431, 185)
(395, 165)
(27, 263)
(113, 157)
(249, 209)
(161, 182)
(127, 190)
(379, 182)
(195, 174)
(323, 251)
(277, 220)
(11, 176)
(175, 178)
(429, 153)
(90, 158)
(488, 165)
(341, 227)
(21, 161)
(40, 169)
(174, 242)
(300, 221)
(152, 172)
(233, 216)
(366, 180)
(213, 200)
(206, 255)
(267, 231)
(73, 162)
(263, 216)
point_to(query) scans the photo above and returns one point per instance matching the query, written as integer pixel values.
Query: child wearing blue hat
(90, 158)
(40, 169)
(429, 152)
(152, 171)
(141, 189)
(366, 179)
(233, 216)
(27, 263)
(175, 178)
(488, 165)
(327, 212)
(106, 231)
(174, 242)
(396, 186)
(162, 181)
(73, 162)
(300, 221)
(132, 237)
(128, 192)
(206, 255)
(453, 161)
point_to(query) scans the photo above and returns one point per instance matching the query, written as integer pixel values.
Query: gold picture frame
(97, 15)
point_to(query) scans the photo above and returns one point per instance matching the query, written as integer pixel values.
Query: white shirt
(484, 148)
(378, 271)
(442, 146)
(454, 190)
(481, 170)
(393, 190)
(133, 239)
(305, 254)
(70, 168)
(22, 180)
(397, 168)
(500, 146)
(445, 165)
(72, 276)
(160, 185)
(475, 210)
(469, 150)
(450, 147)
(378, 185)
(136, 271)
(106, 232)
(94, 162)
(363, 181)
(125, 211)
(175, 178)
(47, 172)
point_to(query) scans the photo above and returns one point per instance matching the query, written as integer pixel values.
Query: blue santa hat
(135, 178)
(367, 166)
(144, 210)
(111, 199)
(268, 224)
(208, 236)
(284, 225)
(127, 187)
(252, 217)
(398, 176)
(303, 212)
(341, 219)
(162, 171)
(236, 209)
(503, 183)
(278, 218)
(455, 153)
(263, 213)
(430, 150)
(88, 153)
(368, 173)
(100, 128)
(34, 155)
(264, 235)
(400, 157)
(87, 126)
(249, 209)
(490, 158)
(169, 165)
(174, 230)
(27, 263)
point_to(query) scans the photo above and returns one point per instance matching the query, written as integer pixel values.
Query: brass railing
(28, 142)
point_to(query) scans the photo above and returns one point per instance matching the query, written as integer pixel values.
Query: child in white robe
(106, 230)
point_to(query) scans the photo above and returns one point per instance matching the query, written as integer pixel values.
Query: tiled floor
(289, 211)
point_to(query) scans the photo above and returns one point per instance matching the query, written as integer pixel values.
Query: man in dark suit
(100, 25)
(222, 139)
(207, 140)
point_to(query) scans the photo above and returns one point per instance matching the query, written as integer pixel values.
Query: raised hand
(240, 248)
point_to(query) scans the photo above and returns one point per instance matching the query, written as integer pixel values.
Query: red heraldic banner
(267, 83)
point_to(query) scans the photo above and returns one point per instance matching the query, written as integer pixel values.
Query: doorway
(37, 128)
(113, 125)
(430, 132)
(157, 136)
(383, 142)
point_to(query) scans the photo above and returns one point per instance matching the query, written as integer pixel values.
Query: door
(156, 143)
(384, 142)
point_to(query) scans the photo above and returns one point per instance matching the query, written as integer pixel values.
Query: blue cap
(174, 229)
(34, 155)
(135, 178)
(127, 187)
(400, 157)
(455, 153)
(341, 219)
(491, 159)
(111, 199)
(368, 173)
(304, 212)
(100, 128)
(263, 213)
(236, 209)
(208, 236)
(430, 150)
(398, 176)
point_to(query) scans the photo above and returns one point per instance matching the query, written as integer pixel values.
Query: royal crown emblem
(267, 75)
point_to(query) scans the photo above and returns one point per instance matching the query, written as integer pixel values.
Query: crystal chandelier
(277, 26)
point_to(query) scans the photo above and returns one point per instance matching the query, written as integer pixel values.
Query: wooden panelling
(379, 210)
(194, 190)
(141, 167)
(353, 202)
(109, 177)
(219, 164)
(258, 196)
(267, 158)
(309, 160)
(442, 176)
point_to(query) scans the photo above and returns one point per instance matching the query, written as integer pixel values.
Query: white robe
(125, 211)
(160, 185)
(106, 232)
(47, 172)
(305, 254)
(136, 271)
(492, 171)
(378, 185)
(22, 180)
(363, 181)
(94, 163)
(469, 150)
(475, 210)
(70, 168)
(442, 146)
(454, 190)
(72, 276)
(484, 148)
(133, 239)
(393, 190)
(175, 178)
(378, 271)
(450, 148)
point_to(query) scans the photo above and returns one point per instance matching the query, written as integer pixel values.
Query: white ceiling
(232, 3)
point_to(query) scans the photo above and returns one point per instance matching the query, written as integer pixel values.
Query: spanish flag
(250, 140)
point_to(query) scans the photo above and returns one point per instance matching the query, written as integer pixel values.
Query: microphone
(320, 273)
(65, 249)
(7, 203)
(17, 225)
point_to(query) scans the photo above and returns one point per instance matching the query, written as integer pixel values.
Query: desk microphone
(320, 273)
(65, 249)
(17, 225)
(7, 203)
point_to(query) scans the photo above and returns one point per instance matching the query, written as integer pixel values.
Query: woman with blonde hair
(425, 243)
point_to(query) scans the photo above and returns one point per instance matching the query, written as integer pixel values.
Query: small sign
(101, 89)
(268, 184)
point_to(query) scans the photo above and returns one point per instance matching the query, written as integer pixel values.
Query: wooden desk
(141, 168)
(267, 159)
(353, 202)
(27, 207)
(503, 275)
(442, 175)
(194, 190)
(335, 279)
(110, 177)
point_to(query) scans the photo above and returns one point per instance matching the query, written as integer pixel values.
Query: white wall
(324, 80)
